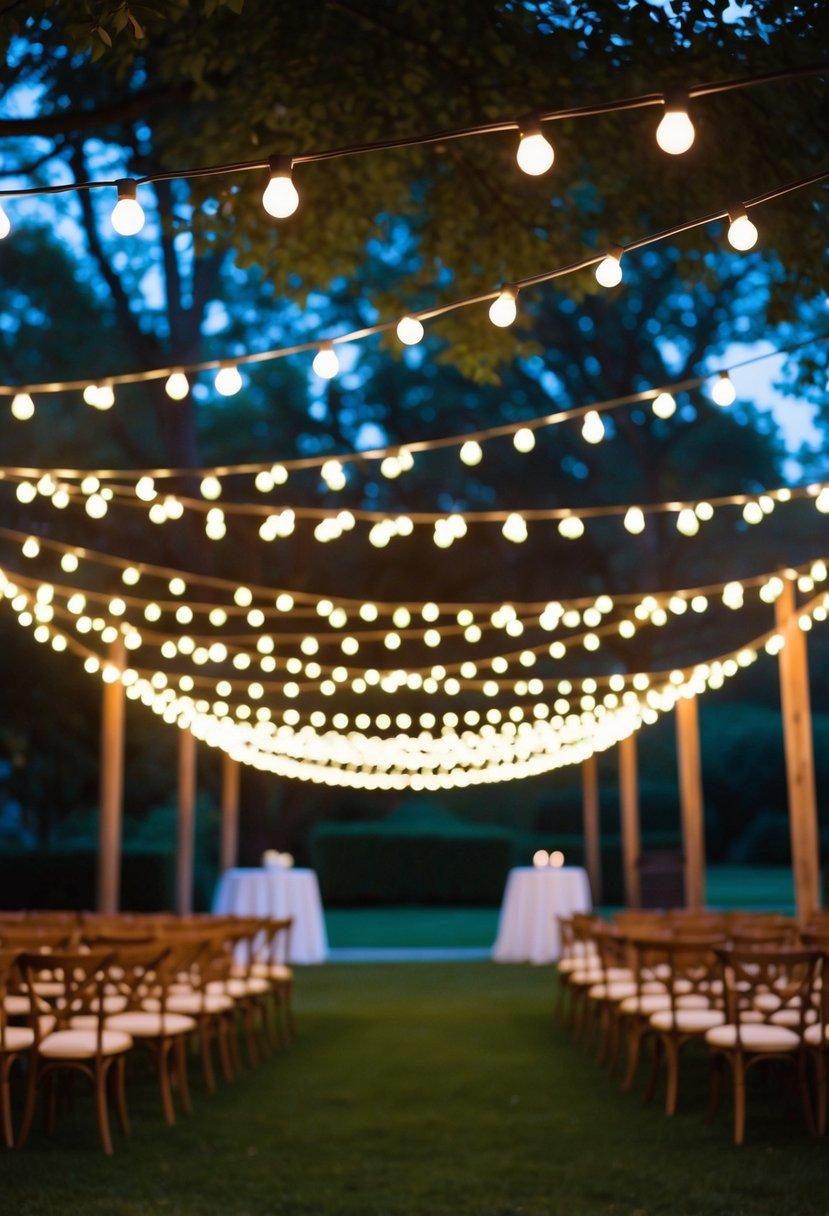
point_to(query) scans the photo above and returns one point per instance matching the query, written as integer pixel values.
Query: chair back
(773, 985)
(64, 985)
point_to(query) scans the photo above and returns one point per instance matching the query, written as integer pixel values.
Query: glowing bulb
(127, 215)
(471, 453)
(524, 439)
(409, 331)
(593, 429)
(663, 405)
(687, 522)
(99, 396)
(675, 132)
(634, 520)
(571, 527)
(228, 380)
(503, 310)
(211, 488)
(5, 224)
(280, 198)
(177, 386)
(742, 234)
(609, 271)
(22, 407)
(326, 364)
(535, 154)
(723, 391)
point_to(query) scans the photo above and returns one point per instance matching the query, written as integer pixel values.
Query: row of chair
(79, 993)
(750, 987)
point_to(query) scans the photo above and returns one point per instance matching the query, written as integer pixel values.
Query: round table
(533, 899)
(278, 892)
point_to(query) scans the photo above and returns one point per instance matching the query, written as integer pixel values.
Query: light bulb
(524, 439)
(592, 430)
(742, 234)
(687, 522)
(228, 380)
(409, 331)
(280, 198)
(663, 405)
(571, 527)
(99, 396)
(471, 453)
(675, 132)
(22, 406)
(5, 224)
(503, 310)
(535, 154)
(177, 386)
(326, 364)
(211, 488)
(127, 215)
(634, 520)
(609, 271)
(723, 391)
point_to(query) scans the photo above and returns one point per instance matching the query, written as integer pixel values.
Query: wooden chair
(769, 1002)
(77, 988)
(202, 959)
(694, 1006)
(272, 955)
(14, 1041)
(141, 974)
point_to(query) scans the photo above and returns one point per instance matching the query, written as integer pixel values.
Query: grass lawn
(424, 1090)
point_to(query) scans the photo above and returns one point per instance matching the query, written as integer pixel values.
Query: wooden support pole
(186, 821)
(629, 814)
(230, 812)
(800, 764)
(691, 800)
(111, 785)
(592, 832)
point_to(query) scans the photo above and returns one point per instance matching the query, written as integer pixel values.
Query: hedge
(67, 878)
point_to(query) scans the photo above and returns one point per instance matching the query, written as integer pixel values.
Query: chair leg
(738, 1069)
(101, 1110)
(672, 1080)
(714, 1086)
(207, 1055)
(181, 1073)
(820, 1073)
(805, 1099)
(119, 1072)
(165, 1046)
(635, 1034)
(653, 1075)
(31, 1101)
(6, 1101)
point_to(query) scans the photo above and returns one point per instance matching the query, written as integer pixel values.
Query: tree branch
(70, 122)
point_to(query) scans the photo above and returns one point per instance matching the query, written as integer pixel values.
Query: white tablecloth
(278, 892)
(533, 898)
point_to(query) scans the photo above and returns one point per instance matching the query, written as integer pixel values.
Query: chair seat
(647, 1003)
(82, 1044)
(757, 1036)
(150, 1025)
(18, 1038)
(817, 1034)
(273, 971)
(197, 1002)
(687, 1021)
(16, 1005)
(612, 992)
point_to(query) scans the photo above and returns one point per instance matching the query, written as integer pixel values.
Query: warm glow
(280, 198)
(127, 215)
(503, 310)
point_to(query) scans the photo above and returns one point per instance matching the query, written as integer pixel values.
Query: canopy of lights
(290, 681)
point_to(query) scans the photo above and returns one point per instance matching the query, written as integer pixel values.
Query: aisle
(420, 1090)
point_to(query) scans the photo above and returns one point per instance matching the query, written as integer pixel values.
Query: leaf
(137, 29)
(103, 35)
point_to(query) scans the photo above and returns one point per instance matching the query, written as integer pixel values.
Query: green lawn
(425, 1090)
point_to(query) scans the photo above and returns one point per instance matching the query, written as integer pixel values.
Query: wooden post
(230, 812)
(186, 821)
(800, 765)
(592, 834)
(691, 799)
(111, 785)
(629, 815)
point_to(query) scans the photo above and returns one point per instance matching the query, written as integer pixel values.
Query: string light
(228, 380)
(22, 407)
(742, 234)
(5, 225)
(675, 133)
(609, 270)
(723, 391)
(99, 396)
(177, 386)
(504, 309)
(535, 153)
(664, 405)
(280, 198)
(326, 364)
(409, 330)
(471, 453)
(524, 440)
(127, 215)
(634, 520)
(593, 428)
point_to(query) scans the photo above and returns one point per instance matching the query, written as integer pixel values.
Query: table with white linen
(279, 892)
(533, 898)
